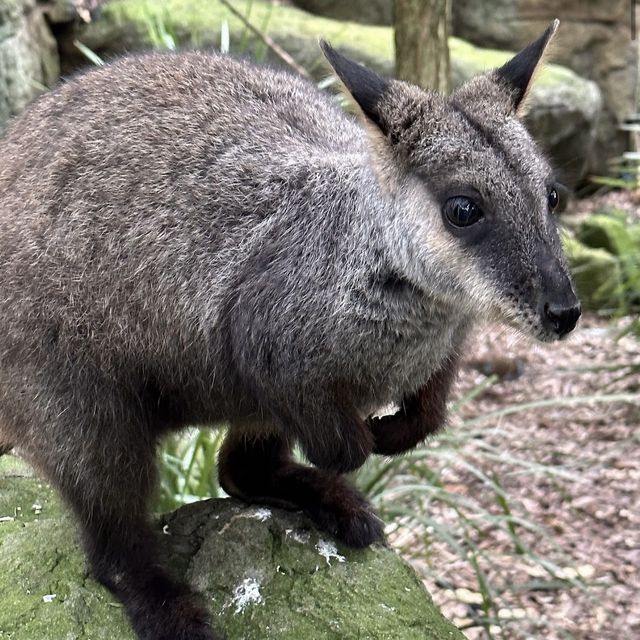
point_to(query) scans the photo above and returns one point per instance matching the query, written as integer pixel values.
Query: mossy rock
(563, 107)
(610, 232)
(598, 276)
(264, 573)
(28, 55)
(614, 233)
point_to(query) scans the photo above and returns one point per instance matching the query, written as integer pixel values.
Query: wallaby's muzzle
(562, 319)
(559, 307)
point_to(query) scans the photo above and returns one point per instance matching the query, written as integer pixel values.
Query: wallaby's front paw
(394, 434)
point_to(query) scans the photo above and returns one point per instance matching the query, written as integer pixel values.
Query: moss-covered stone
(264, 573)
(598, 276)
(614, 233)
(609, 232)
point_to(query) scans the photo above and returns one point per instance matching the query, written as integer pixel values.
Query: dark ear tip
(328, 51)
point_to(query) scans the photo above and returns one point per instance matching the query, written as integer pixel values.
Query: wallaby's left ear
(366, 87)
(518, 73)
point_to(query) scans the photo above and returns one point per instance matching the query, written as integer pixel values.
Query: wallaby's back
(160, 172)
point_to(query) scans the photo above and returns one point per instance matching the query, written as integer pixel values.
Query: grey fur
(190, 239)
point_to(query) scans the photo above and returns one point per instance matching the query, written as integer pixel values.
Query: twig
(276, 48)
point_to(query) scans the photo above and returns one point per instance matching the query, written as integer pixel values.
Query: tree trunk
(422, 49)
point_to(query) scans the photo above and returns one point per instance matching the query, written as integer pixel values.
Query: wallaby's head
(473, 191)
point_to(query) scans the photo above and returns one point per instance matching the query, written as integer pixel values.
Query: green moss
(23, 496)
(608, 232)
(598, 276)
(193, 23)
(44, 588)
(613, 233)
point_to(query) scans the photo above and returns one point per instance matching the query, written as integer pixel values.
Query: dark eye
(461, 211)
(553, 199)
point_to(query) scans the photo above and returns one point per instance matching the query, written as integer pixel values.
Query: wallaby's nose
(563, 319)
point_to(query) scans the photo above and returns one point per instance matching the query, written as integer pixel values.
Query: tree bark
(421, 39)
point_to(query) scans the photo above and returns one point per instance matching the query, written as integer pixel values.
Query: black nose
(562, 319)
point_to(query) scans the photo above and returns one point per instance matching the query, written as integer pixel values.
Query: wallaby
(189, 238)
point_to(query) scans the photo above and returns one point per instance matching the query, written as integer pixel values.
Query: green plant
(188, 469)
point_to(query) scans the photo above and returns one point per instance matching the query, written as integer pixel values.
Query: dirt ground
(590, 513)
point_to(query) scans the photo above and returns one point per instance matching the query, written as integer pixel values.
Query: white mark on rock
(246, 593)
(261, 514)
(328, 550)
(298, 535)
(49, 597)
(165, 530)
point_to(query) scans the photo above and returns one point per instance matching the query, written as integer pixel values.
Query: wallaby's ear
(518, 73)
(365, 86)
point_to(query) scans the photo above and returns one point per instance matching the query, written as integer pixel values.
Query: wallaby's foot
(109, 495)
(159, 608)
(394, 434)
(261, 470)
(169, 612)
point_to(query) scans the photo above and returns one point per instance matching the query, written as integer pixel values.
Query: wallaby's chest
(405, 355)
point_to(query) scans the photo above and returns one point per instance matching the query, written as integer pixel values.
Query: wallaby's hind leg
(108, 486)
(261, 469)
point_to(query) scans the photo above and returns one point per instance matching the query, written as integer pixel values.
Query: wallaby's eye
(461, 211)
(553, 199)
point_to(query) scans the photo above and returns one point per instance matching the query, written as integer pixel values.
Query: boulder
(598, 277)
(29, 61)
(594, 40)
(365, 11)
(614, 233)
(264, 573)
(564, 107)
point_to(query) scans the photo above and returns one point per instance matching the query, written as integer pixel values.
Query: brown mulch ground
(590, 516)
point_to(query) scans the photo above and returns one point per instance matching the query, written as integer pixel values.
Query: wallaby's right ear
(366, 87)
(517, 74)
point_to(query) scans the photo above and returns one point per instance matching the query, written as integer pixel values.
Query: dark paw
(177, 616)
(351, 520)
(360, 528)
(395, 434)
(390, 435)
(176, 628)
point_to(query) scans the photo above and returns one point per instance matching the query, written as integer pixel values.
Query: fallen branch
(274, 46)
